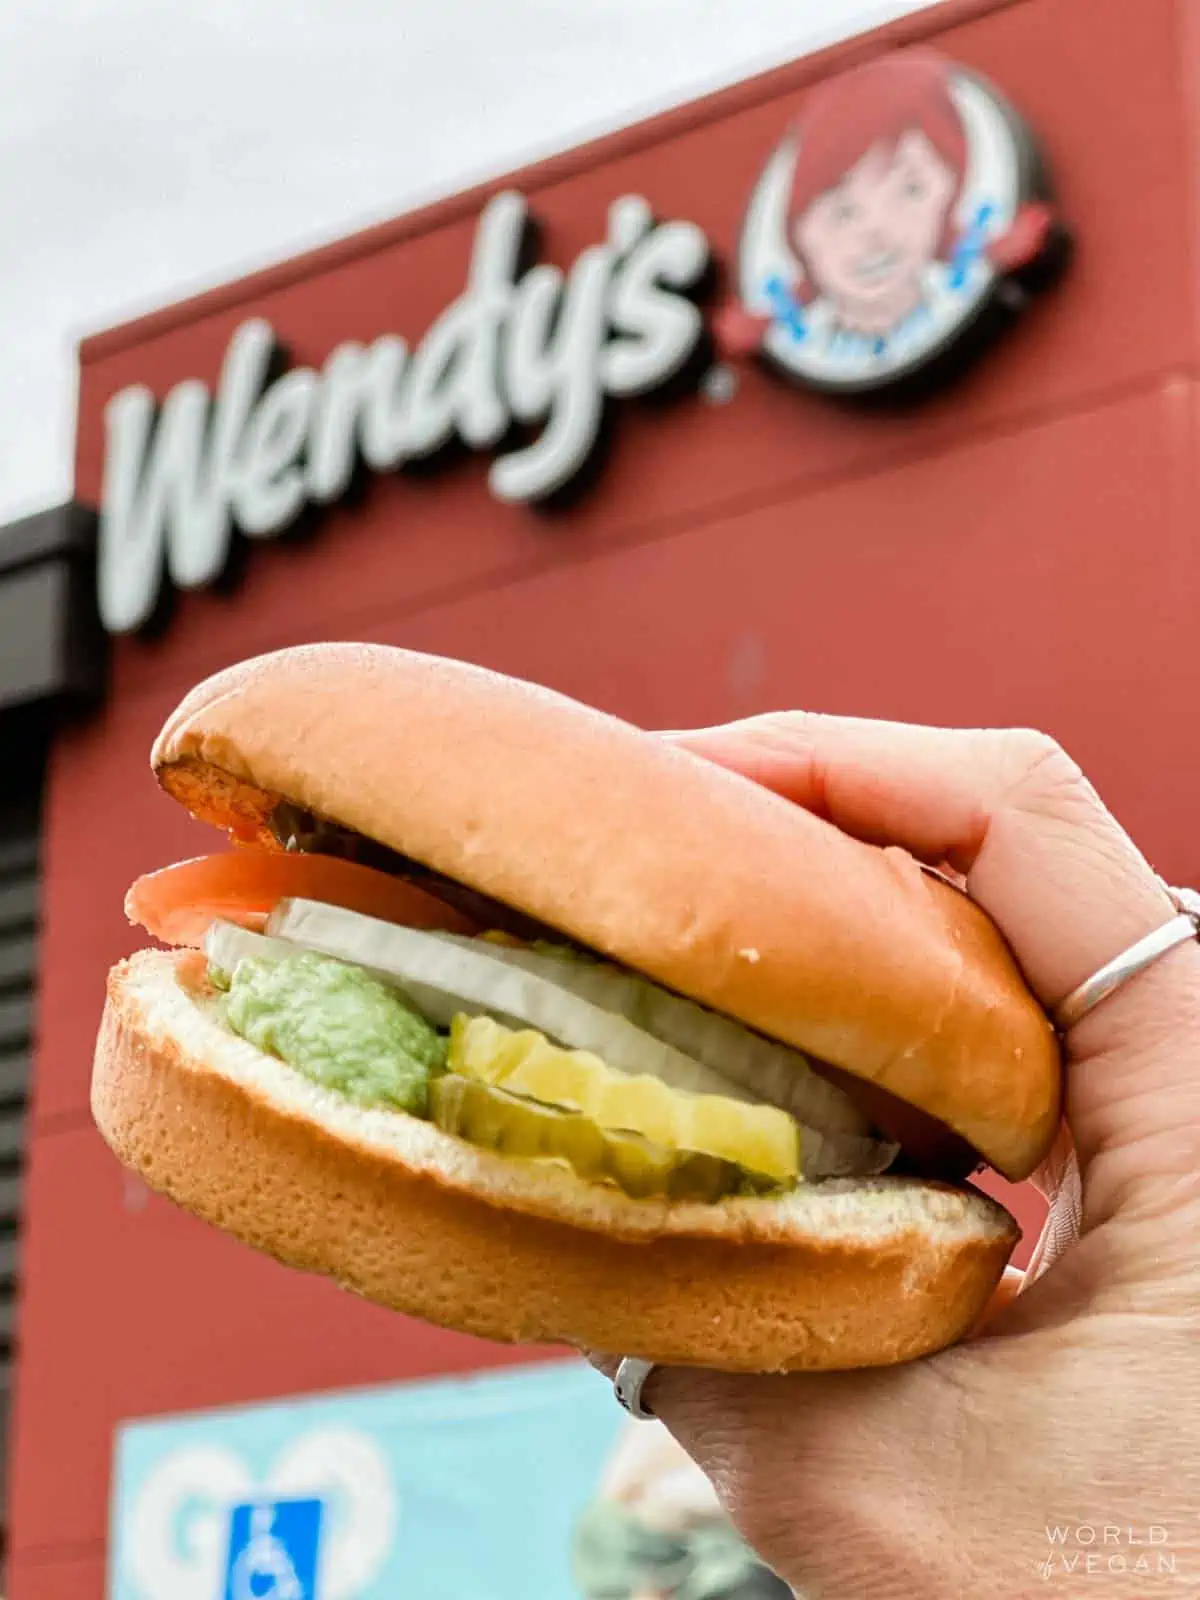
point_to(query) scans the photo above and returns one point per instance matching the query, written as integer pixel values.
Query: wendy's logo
(906, 208)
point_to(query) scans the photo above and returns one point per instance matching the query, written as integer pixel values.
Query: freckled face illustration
(868, 241)
(880, 165)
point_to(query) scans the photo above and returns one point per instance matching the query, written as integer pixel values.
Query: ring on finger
(628, 1382)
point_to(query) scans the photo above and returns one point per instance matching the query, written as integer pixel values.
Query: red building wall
(1022, 549)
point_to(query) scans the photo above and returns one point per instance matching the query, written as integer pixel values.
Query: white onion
(769, 1071)
(444, 975)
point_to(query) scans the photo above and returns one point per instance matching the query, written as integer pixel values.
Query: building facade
(728, 458)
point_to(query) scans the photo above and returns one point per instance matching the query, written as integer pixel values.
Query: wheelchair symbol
(273, 1551)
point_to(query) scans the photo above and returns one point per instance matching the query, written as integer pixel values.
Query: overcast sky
(151, 147)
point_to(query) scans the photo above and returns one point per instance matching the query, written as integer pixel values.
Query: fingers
(1058, 1181)
(1006, 1292)
(1065, 1220)
(887, 783)
(803, 1464)
(1012, 813)
(1006, 809)
(670, 1392)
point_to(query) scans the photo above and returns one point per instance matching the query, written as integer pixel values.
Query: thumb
(1011, 813)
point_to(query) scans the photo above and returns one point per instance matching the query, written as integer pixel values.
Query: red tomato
(177, 904)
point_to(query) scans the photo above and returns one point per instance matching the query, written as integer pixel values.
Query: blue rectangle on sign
(274, 1549)
(439, 1490)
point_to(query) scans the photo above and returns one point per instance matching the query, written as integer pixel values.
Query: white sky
(152, 147)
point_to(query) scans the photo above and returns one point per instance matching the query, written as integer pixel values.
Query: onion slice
(769, 1071)
(630, 1023)
(444, 978)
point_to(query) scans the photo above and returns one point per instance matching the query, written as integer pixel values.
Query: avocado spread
(338, 1026)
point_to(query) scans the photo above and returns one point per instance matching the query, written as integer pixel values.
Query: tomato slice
(177, 904)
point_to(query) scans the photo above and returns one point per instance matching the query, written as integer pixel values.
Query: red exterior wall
(1021, 550)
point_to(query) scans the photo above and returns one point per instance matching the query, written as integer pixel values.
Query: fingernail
(602, 1363)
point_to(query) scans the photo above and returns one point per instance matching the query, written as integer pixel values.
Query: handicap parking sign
(274, 1546)
(372, 1494)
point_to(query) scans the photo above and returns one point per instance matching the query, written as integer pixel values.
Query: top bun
(707, 883)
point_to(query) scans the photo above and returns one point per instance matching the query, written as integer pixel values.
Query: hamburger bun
(656, 859)
(695, 876)
(840, 1274)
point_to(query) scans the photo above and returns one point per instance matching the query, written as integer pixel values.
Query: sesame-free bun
(834, 1275)
(631, 845)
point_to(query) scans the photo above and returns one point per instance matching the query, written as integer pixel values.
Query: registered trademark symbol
(719, 385)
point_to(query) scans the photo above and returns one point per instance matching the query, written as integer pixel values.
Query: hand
(1074, 1415)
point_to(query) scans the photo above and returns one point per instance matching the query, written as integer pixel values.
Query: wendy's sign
(904, 215)
(903, 209)
(521, 364)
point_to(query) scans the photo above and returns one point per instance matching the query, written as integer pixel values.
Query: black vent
(19, 851)
(22, 766)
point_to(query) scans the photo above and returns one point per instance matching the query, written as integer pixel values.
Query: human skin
(1076, 1408)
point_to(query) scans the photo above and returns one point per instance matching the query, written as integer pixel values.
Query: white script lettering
(541, 348)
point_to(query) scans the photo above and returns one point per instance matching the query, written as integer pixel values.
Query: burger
(513, 1017)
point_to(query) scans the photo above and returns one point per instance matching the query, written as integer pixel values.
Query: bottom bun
(833, 1275)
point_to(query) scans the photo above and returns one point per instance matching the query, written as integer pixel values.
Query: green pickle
(749, 1137)
(513, 1125)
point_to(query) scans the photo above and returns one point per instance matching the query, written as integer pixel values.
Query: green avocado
(338, 1026)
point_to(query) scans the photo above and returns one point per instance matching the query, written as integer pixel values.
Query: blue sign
(273, 1547)
(462, 1487)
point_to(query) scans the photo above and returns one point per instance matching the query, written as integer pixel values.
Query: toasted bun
(835, 1275)
(697, 877)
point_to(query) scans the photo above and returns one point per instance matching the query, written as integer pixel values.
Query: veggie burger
(513, 1017)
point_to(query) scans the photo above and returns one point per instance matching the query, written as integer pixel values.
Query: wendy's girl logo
(906, 209)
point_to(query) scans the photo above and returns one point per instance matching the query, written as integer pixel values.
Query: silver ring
(628, 1384)
(1130, 962)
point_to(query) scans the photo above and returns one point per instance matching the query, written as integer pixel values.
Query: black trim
(52, 647)
(66, 530)
(25, 735)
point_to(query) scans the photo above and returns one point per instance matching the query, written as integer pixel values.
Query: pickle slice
(512, 1125)
(757, 1138)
